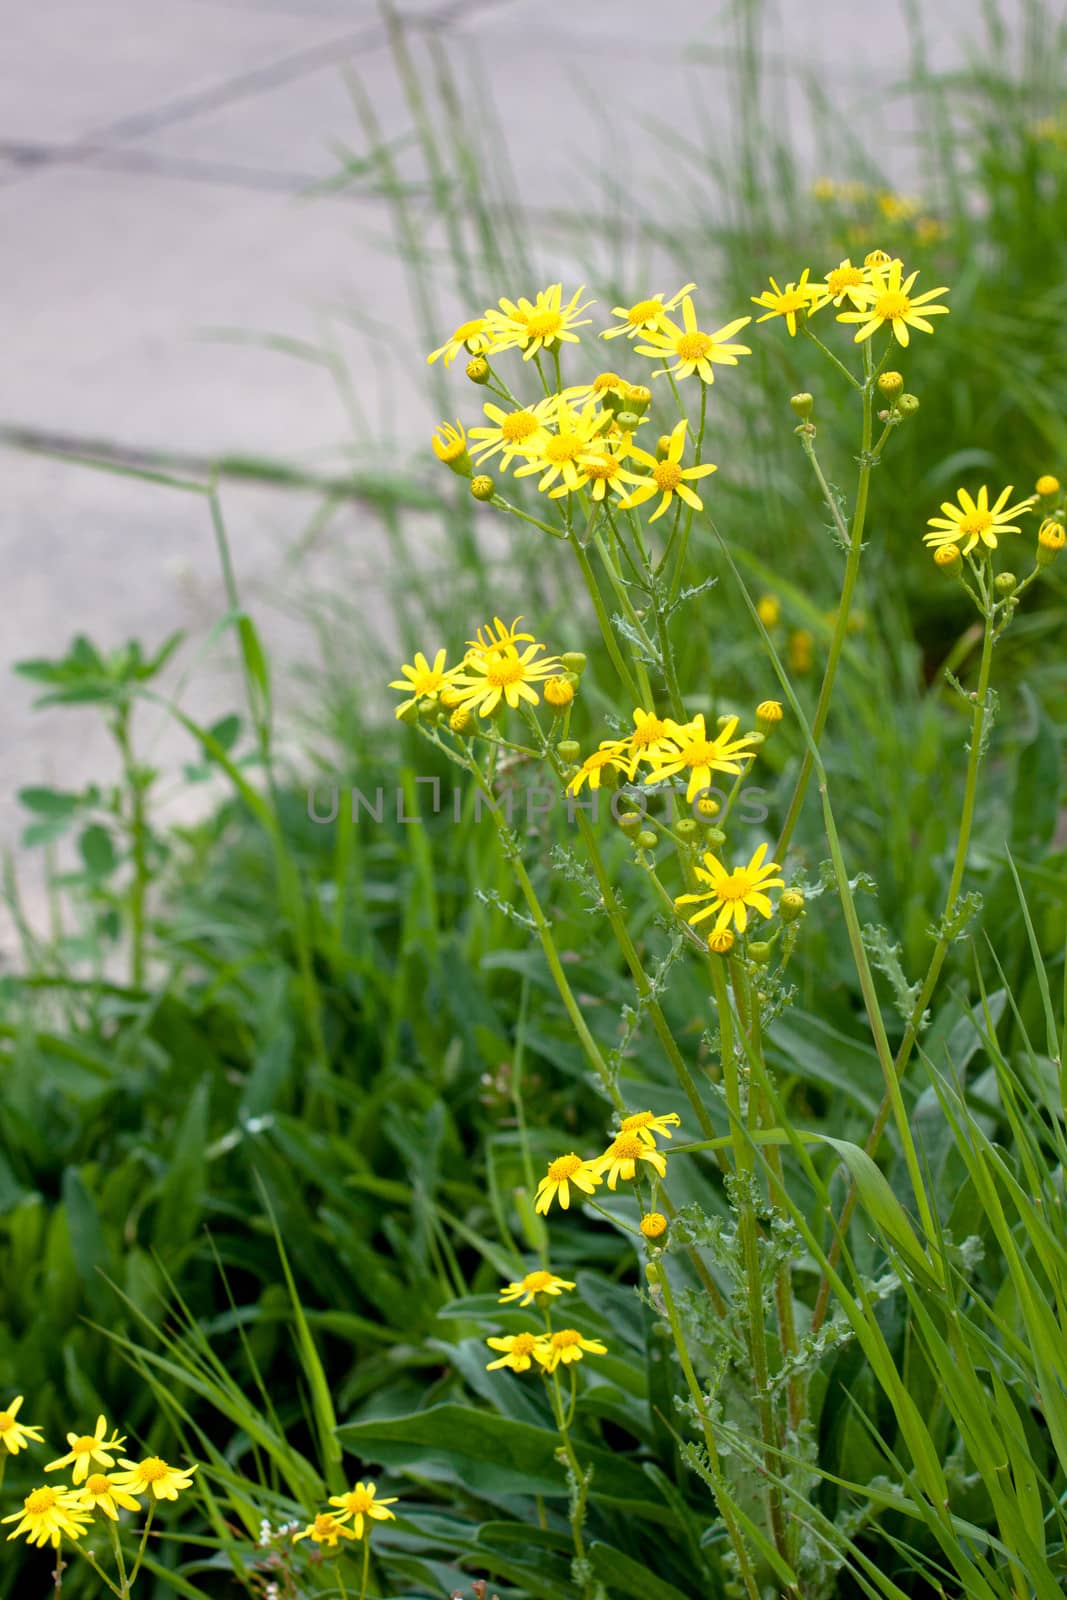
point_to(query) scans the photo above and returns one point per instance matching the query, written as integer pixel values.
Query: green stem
(852, 567)
(840, 365)
(366, 1568)
(607, 633)
(138, 831)
(580, 1495)
(120, 1561)
(143, 1545)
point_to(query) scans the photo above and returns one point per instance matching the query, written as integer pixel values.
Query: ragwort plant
(625, 502)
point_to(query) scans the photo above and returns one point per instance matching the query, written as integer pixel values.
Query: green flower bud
(1005, 583)
(891, 384)
(569, 750)
(760, 952)
(803, 405)
(791, 905)
(647, 840)
(483, 487)
(630, 821)
(688, 830)
(478, 370)
(908, 404)
(573, 661)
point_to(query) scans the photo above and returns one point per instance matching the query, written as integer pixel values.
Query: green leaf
(883, 1207)
(97, 850)
(626, 1576)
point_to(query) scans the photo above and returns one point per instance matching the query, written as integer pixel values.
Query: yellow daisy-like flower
(692, 750)
(504, 673)
(105, 1494)
(153, 1476)
(975, 520)
(498, 635)
(47, 1516)
(556, 1184)
(450, 447)
(667, 478)
(422, 681)
(613, 753)
(561, 454)
(600, 470)
(646, 1124)
(514, 432)
(791, 301)
(890, 303)
(326, 1529)
(566, 1346)
(15, 1435)
(520, 1351)
(692, 349)
(645, 316)
(360, 1502)
(469, 336)
(846, 282)
(530, 326)
(730, 895)
(87, 1450)
(534, 1283)
(622, 1155)
(651, 734)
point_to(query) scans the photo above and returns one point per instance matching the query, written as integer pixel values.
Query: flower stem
(580, 1494)
(366, 1567)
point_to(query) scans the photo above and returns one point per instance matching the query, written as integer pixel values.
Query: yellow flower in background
(47, 1516)
(598, 471)
(88, 1449)
(498, 635)
(326, 1529)
(846, 282)
(15, 1435)
(566, 1346)
(469, 336)
(890, 303)
(450, 447)
(692, 750)
(512, 433)
(645, 316)
(667, 478)
(360, 1502)
(692, 349)
(972, 521)
(1047, 484)
(898, 207)
(645, 1124)
(730, 895)
(790, 302)
(613, 753)
(420, 681)
(520, 1351)
(560, 454)
(530, 326)
(651, 734)
(624, 1152)
(534, 1283)
(153, 1476)
(800, 650)
(769, 609)
(556, 1184)
(503, 673)
(105, 1494)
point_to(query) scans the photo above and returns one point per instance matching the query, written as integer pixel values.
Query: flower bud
(627, 421)
(629, 821)
(653, 1224)
(891, 384)
(948, 558)
(409, 713)
(569, 750)
(791, 905)
(461, 719)
(877, 258)
(769, 714)
(478, 370)
(720, 944)
(638, 398)
(1005, 583)
(688, 830)
(1050, 540)
(483, 487)
(803, 405)
(715, 837)
(760, 952)
(430, 708)
(707, 806)
(652, 1272)
(558, 693)
(646, 839)
(450, 448)
(663, 444)
(1047, 484)
(574, 661)
(908, 404)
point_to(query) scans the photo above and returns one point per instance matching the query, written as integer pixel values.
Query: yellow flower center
(640, 1119)
(701, 753)
(892, 305)
(40, 1501)
(536, 1281)
(523, 1344)
(98, 1484)
(566, 1338)
(976, 523)
(694, 346)
(565, 1167)
(844, 278)
(667, 475)
(85, 1445)
(153, 1470)
(605, 381)
(791, 300)
(359, 1500)
(502, 670)
(543, 324)
(649, 731)
(564, 447)
(323, 1523)
(736, 886)
(627, 1147)
(426, 683)
(519, 425)
(643, 311)
(602, 467)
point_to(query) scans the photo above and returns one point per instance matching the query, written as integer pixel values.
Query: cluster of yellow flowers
(871, 207)
(976, 522)
(671, 748)
(878, 296)
(634, 1144)
(493, 671)
(59, 1511)
(352, 1514)
(549, 1349)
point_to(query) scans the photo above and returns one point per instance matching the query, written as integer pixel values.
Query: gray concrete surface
(157, 216)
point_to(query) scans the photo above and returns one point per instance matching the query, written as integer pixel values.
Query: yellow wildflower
(651, 734)
(646, 1125)
(450, 447)
(520, 1350)
(48, 1515)
(769, 609)
(692, 750)
(105, 1494)
(600, 470)
(846, 282)
(468, 336)
(1047, 484)
(890, 303)
(692, 349)
(613, 753)
(360, 1502)
(667, 477)
(566, 1346)
(653, 1224)
(645, 316)
(730, 894)
(531, 326)
(88, 1449)
(504, 673)
(326, 1529)
(153, 1476)
(513, 433)
(975, 520)
(534, 1283)
(561, 1174)
(622, 1155)
(422, 681)
(560, 454)
(789, 302)
(498, 635)
(14, 1435)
